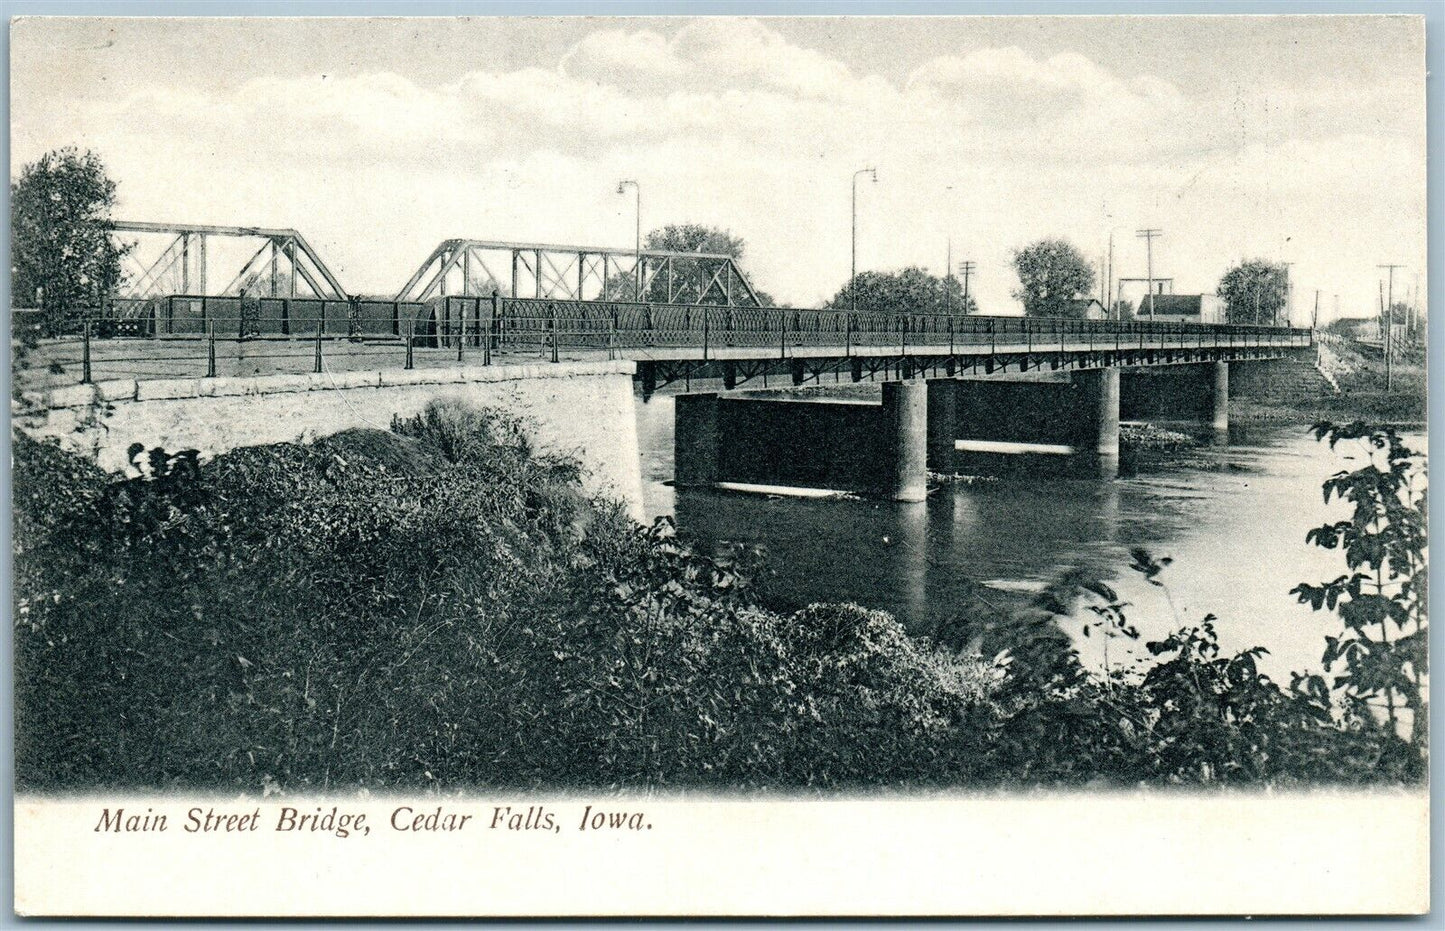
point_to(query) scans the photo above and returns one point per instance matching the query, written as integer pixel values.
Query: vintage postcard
(719, 466)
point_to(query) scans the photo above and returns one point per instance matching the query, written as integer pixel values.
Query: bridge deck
(190, 337)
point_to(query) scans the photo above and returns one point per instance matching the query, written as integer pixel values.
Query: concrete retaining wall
(579, 408)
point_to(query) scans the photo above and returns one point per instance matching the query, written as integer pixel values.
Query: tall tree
(911, 290)
(1254, 291)
(690, 278)
(62, 254)
(1052, 272)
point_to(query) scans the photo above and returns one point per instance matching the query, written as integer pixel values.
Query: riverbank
(308, 617)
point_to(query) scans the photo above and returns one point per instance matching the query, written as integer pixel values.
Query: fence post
(318, 352)
(241, 315)
(848, 334)
(461, 333)
(556, 333)
(783, 337)
(85, 354)
(410, 334)
(704, 334)
(211, 350)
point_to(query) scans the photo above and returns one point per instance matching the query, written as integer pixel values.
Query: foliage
(1123, 310)
(1254, 291)
(1051, 273)
(1382, 600)
(441, 606)
(62, 253)
(1191, 714)
(910, 291)
(435, 606)
(690, 277)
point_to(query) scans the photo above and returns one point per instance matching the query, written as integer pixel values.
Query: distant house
(1085, 308)
(1181, 308)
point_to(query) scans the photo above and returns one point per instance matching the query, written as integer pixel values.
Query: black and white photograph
(764, 465)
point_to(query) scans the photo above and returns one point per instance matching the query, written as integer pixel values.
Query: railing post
(211, 350)
(241, 315)
(461, 334)
(85, 353)
(410, 336)
(318, 352)
(556, 333)
(705, 332)
(950, 337)
(848, 337)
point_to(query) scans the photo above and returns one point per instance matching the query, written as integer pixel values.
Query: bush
(440, 606)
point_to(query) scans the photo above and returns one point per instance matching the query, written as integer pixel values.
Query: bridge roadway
(188, 336)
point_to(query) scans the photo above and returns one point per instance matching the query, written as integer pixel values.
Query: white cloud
(727, 121)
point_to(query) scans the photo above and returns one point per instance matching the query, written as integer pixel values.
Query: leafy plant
(1382, 654)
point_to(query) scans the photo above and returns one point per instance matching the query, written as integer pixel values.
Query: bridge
(282, 264)
(468, 268)
(959, 391)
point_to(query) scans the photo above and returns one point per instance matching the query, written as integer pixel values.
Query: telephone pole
(1109, 289)
(965, 268)
(1315, 317)
(948, 280)
(1288, 290)
(1388, 340)
(1148, 237)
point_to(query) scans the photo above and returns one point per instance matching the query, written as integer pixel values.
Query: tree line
(66, 260)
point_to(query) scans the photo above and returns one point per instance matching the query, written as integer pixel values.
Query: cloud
(729, 121)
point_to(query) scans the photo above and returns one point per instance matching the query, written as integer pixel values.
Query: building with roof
(1181, 308)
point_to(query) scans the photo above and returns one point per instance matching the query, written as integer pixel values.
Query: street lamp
(637, 257)
(853, 277)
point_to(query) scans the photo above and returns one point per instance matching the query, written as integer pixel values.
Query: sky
(1298, 139)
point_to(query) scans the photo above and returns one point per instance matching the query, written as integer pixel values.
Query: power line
(1148, 237)
(966, 268)
(1389, 321)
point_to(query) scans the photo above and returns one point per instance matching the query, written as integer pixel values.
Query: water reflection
(1233, 518)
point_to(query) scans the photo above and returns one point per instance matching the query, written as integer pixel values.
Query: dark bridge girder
(284, 265)
(469, 268)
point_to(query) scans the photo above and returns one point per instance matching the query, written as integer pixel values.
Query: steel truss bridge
(672, 343)
(283, 264)
(477, 268)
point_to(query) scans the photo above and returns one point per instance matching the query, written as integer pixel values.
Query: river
(1232, 518)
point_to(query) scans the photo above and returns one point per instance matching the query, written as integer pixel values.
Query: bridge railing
(189, 335)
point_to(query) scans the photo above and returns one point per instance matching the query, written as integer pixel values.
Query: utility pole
(1148, 237)
(948, 279)
(1288, 290)
(1415, 305)
(1315, 318)
(1110, 275)
(966, 269)
(1389, 321)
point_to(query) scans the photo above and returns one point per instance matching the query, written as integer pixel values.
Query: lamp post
(853, 276)
(637, 256)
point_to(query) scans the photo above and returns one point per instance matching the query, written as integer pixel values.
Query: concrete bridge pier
(695, 439)
(905, 410)
(1101, 387)
(1219, 400)
(942, 424)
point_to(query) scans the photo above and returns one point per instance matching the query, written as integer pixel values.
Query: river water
(1232, 518)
